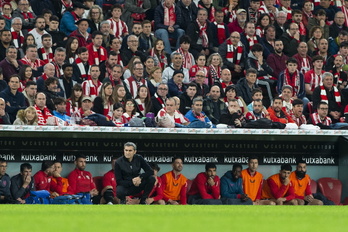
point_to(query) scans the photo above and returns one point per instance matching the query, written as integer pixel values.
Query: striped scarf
(345, 12)
(65, 6)
(47, 57)
(81, 67)
(160, 100)
(169, 15)
(324, 98)
(160, 60)
(42, 115)
(99, 55)
(214, 74)
(316, 119)
(221, 32)
(294, 82)
(27, 15)
(232, 16)
(337, 76)
(231, 52)
(251, 115)
(187, 58)
(91, 89)
(316, 80)
(18, 40)
(203, 33)
(252, 40)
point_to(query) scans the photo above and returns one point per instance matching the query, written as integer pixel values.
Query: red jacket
(201, 187)
(80, 181)
(110, 180)
(42, 181)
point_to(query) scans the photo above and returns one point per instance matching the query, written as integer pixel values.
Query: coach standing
(128, 177)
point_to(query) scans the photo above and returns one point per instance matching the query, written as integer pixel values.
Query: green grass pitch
(130, 218)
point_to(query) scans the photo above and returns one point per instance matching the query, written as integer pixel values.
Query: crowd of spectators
(186, 63)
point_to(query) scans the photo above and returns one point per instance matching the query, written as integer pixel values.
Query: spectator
(135, 10)
(10, 63)
(97, 53)
(60, 111)
(27, 16)
(276, 112)
(26, 117)
(118, 27)
(92, 85)
(71, 17)
(30, 93)
(196, 113)
(213, 106)
(233, 116)
(277, 59)
(81, 33)
(39, 30)
(42, 111)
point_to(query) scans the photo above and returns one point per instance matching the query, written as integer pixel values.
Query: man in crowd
(196, 113)
(97, 53)
(213, 106)
(276, 112)
(277, 60)
(81, 181)
(39, 30)
(128, 178)
(43, 114)
(29, 93)
(177, 64)
(175, 184)
(159, 98)
(92, 85)
(186, 98)
(205, 189)
(297, 112)
(245, 86)
(81, 66)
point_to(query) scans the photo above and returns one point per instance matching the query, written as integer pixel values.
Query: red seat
(314, 186)
(98, 180)
(310, 108)
(331, 188)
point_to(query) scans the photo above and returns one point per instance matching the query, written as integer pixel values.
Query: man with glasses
(27, 16)
(17, 33)
(132, 49)
(291, 39)
(159, 98)
(137, 79)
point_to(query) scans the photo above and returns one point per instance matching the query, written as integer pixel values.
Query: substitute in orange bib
(279, 188)
(302, 185)
(175, 184)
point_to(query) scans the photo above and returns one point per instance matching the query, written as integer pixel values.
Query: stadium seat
(310, 107)
(189, 184)
(98, 180)
(331, 188)
(314, 186)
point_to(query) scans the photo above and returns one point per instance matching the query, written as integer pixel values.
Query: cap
(240, 11)
(77, 4)
(86, 98)
(81, 20)
(177, 72)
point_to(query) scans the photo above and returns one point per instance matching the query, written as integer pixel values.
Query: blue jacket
(189, 115)
(229, 188)
(17, 102)
(67, 23)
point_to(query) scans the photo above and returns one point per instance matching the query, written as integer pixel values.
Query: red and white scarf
(224, 85)
(251, 115)
(215, 74)
(259, 31)
(141, 106)
(59, 69)
(288, 11)
(34, 65)
(299, 121)
(203, 33)
(240, 103)
(301, 27)
(119, 122)
(76, 18)
(65, 6)
(324, 97)
(108, 110)
(73, 58)
(27, 15)
(232, 16)
(251, 40)
(15, 37)
(81, 66)
(316, 2)
(169, 15)
(221, 32)
(263, 10)
(118, 27)
(42, 115)
(337, 76)
(91, 89)
(345, 12)
(231, 52)
(305, 65)
(99, 55)
(294, 82)
(160, 100)
(316, 119)
(316, 80)
(187, 59)
(139, 16)
(47, 57)
(160, 60)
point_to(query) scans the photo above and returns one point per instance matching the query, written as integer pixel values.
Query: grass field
(127, 218)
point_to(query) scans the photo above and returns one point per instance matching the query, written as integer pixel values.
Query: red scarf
(203, 33)
(299, 121)
(224, 85)
(99, 55)
(91, 89)
(65, 6)
(119, 122)
(187, 59)
(160, 60)
(324, 98)
(232, 16)
(28, 15)
(15, 36)
(259, 31)
(251, 40)
(139, 16)
(221, 32)
(301, 27)
(316, 119)
(76, 18)
(169, 15)
(42, 115)
(231, 52)
(160, 100)
(294, 82)
(34, 65)
(47, 57)
(214, 74)
(81, 66)
(59, 70)
(251, 115)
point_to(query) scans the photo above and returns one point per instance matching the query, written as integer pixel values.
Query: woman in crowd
(95, 17)
(72, 44)
(154, 79)
(149, 64)
(26, 117)
(25, 74)
(104, 102)
(200, 65)
(130, 110)
(158, 54)
(214, 64)
(74, 102)
(118, 117)
(263, 21)
(143, 101)
(29, 39)
(231, 93)
(127, 73)
(315, 34)
(119, 94)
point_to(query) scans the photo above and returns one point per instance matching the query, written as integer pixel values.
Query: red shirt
(110, 180)
(201, 187)
(42, 181)
(80, 181)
